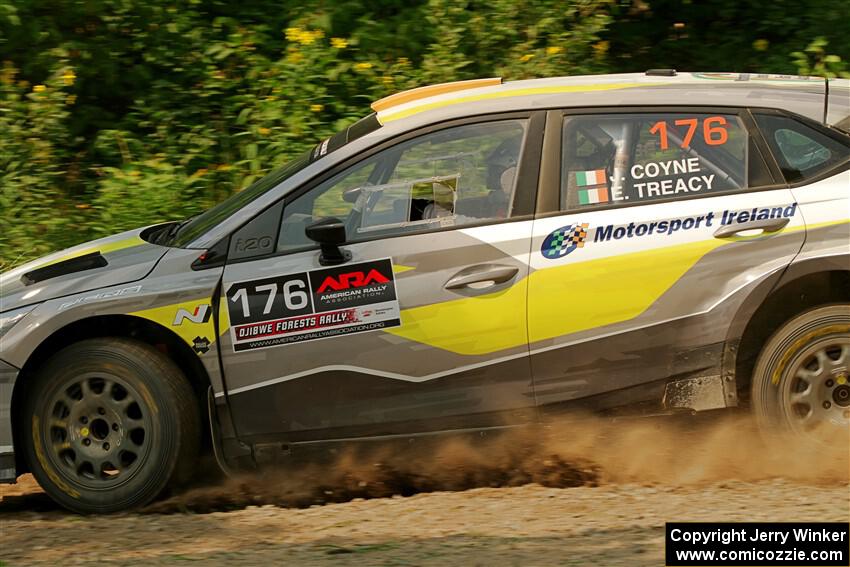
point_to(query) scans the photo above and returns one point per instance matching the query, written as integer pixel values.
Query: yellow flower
(83, 206)
(363, 66)
(292, 34)
(71, 99)
(39, 88)
(554, 50)
(224, 167)
(264, 131)
(387, 80)
(761, 44)
(403, 61)
(317, 107)
(302, 36)
(601, 47)
(295, 57)
(69, 77)
(339, 43)
(527, 57)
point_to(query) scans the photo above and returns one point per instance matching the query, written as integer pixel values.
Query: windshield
(211, 217)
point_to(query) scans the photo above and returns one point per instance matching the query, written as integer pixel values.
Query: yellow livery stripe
(103, 249)
(489, 322)
(187, 330)
(392, 114)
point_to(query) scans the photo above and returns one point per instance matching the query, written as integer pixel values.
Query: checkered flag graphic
(564, 240)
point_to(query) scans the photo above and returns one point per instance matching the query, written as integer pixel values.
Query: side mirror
(330, 234)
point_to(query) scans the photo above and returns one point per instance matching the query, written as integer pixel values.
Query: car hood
(109, 261)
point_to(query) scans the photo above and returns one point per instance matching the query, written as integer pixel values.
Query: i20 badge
(561, 242)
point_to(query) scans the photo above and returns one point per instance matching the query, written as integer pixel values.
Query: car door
(814, 160)
(423, 326)
(653, 229)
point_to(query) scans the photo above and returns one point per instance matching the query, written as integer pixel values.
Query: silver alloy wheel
(817, 389)
(99, 430)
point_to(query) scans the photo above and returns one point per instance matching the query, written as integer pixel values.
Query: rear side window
(637, 157)
(801, 151)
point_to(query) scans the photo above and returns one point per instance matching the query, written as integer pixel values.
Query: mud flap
(215, 435)
(697, 394)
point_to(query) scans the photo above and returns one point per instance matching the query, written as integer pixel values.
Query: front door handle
(482, 276)
(765, 226)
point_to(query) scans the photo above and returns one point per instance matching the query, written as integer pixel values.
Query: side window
(453, 177)
(610, 158)
(802, 151)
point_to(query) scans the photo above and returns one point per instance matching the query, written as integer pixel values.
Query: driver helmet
(502, 164)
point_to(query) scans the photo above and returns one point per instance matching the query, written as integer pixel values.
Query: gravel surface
(591, 494)
(527, 525)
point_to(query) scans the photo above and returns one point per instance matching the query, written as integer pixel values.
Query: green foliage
(117, 113)
(815, 60)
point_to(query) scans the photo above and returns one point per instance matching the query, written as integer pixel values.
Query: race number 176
(713, 130)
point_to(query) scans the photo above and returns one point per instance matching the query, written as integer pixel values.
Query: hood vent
(65, 267)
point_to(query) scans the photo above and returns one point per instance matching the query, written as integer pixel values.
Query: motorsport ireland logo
(561, 242)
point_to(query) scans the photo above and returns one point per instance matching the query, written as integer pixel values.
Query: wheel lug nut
(827, 405)
(101, 411)
(84, 420)
(114, 427)
(830, 383)
(106, 446)
(86, 442)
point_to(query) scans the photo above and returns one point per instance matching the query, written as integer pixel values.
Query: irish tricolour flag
(593, 187)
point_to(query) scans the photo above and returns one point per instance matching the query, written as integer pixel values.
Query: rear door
(424, 327)
(816, 162)
(656, 225)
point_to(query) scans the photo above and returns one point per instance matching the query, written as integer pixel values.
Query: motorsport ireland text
(670, 226)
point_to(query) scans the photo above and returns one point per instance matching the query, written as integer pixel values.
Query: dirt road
(528, 525)
(606, 499)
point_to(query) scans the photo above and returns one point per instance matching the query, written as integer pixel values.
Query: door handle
(765, 225)
(491, 274)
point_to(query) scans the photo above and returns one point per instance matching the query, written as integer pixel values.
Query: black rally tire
(780, 398)
(145, 420)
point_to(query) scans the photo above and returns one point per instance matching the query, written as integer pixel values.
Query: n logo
(201, 314)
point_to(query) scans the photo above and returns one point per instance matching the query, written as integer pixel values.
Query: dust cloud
(577, 452)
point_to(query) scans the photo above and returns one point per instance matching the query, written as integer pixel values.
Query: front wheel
(801, 381)
(110, 423)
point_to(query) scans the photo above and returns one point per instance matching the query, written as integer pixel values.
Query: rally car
(471, 255)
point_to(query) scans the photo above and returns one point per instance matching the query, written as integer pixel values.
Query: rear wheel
(111, 423)
(801, 381)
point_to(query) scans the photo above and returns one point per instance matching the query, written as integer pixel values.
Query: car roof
(402, 114)
(803, 95)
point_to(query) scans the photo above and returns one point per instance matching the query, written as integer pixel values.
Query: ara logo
(201, 314)
(561, 242)
(352, 279)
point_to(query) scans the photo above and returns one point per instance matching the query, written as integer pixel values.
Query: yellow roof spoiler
(432, 90)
